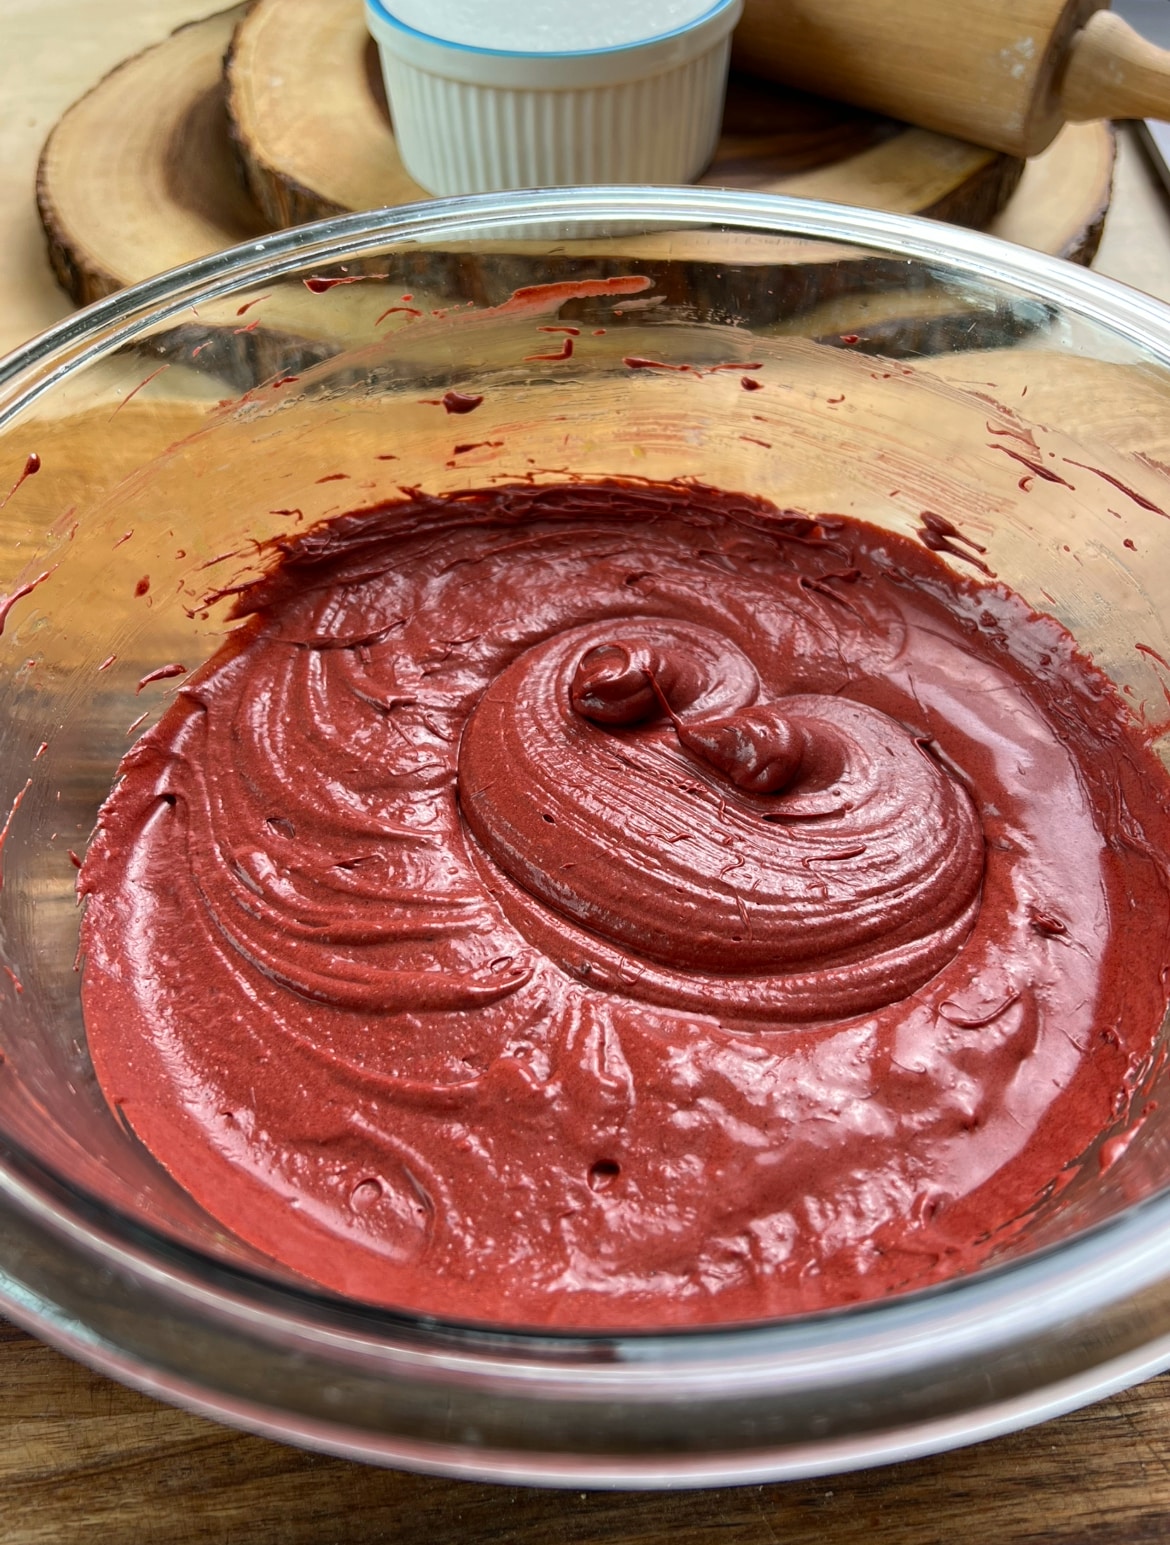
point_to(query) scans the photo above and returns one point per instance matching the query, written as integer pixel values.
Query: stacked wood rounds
(270, 115)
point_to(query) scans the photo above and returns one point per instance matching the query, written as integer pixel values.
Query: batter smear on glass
(627, 905)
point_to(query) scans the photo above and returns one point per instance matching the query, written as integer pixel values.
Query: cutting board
(173, 156)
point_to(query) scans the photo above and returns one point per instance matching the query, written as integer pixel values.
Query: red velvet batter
(619, 905)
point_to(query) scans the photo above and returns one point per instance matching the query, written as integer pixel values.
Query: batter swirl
(615, 905)
(803, 858)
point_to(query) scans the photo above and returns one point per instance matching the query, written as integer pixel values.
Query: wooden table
(82, 1459)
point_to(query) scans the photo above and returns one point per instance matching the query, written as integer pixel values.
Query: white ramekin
(471, 120)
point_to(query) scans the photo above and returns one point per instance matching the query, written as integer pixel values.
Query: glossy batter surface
(627, 905)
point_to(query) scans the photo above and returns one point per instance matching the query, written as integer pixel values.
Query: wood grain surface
(84, 1460)
(51, 51)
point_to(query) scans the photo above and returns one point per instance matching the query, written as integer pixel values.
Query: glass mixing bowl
(149, 444)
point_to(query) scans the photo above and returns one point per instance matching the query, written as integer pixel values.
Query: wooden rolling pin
(1003, 73)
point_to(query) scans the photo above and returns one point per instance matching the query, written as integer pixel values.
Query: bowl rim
(1140, 319)
(1098, 1268)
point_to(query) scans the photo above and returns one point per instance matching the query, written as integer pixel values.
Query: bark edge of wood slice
(139, 175)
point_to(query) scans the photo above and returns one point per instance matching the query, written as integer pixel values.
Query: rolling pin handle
(1112, 72)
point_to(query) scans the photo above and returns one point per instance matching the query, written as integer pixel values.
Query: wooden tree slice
(1063, 196)
(315, 140)
(308, 113)
(139, 175)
